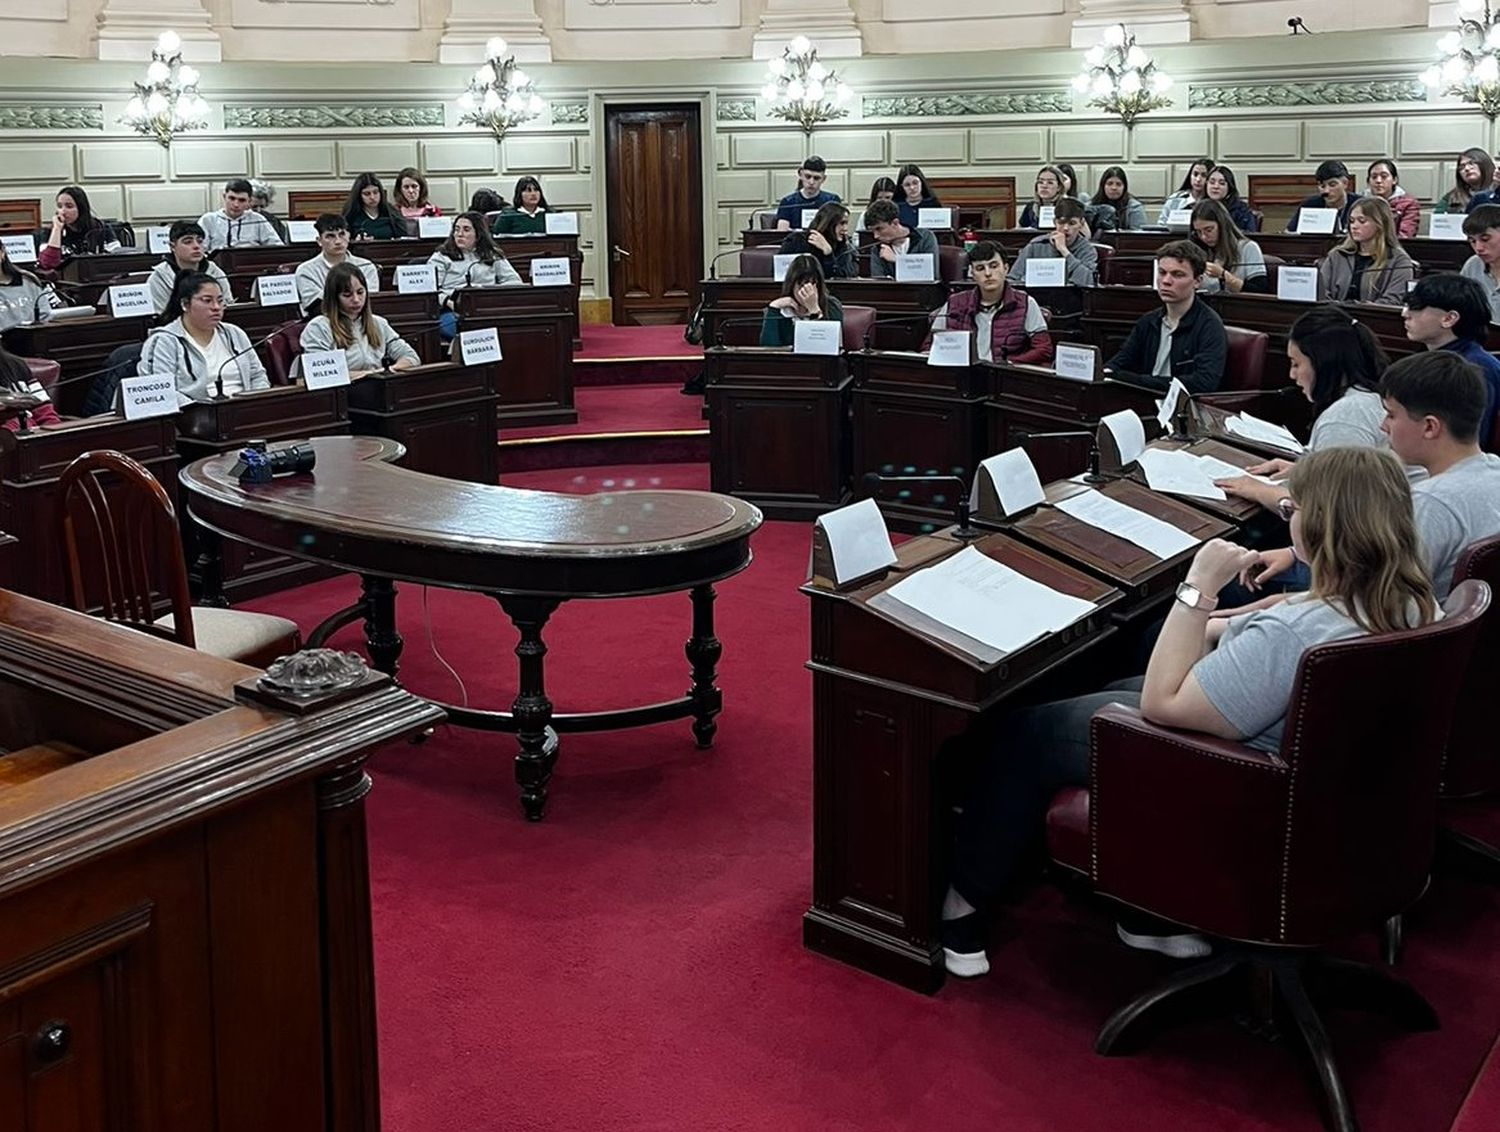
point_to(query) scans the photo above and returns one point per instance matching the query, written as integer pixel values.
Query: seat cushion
(237, 634)
(1068, 829)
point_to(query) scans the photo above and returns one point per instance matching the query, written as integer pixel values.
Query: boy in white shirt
(237, 224)
(333, 238)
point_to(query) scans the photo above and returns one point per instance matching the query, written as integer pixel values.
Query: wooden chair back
(20, 215)
(309, 204)
(1274, 196)
(121, 544)
(981, 202)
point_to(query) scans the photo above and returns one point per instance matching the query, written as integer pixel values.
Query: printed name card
(934, 218)
(1318, 221)
(950, 348)
(1298, 284)
(551, 271)
(914, 269)
(35, 389)
(158, 240)
(1180, 218)
(1167, 409)
(148, 395)
(1129, 435)
(128, 300)
(562, 223)
(20, 249)
(1007, 481)
(1046, 273)
(1046, 216)
(857, 542)
(1449, 226)
(1076, 363)
(439, 226)
(779, 266)
(416, 278)
(816, 336)
(807, 216)
(323, 369)
(479, 347)
(302, 231)
(276, 290)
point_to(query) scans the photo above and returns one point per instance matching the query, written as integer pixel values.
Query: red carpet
(635, 962)
(624, 408)
(603, 341)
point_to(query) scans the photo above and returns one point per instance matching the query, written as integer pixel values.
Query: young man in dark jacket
(1185, 339)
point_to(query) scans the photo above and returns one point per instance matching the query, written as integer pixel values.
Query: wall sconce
(168, 102)
(500, 95)
(800, 89)
(1121, 78)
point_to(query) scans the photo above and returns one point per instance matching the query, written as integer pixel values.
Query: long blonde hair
(340, 281)
(1361, 540)
(1386, 242)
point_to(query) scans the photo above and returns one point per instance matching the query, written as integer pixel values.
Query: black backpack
(104, 390)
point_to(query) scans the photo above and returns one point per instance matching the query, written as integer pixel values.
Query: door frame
(707, 158)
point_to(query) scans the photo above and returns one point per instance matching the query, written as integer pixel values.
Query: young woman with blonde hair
(1370, 266)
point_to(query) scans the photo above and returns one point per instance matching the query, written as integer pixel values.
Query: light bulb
(1130, 82)
(1114, 35)
(1455, 70)
(1135, 57)
(466, 101)
(1488, 69)
(520, 78)
(1449, 43)
(1161, 83)
(135, 109)
(156, 103)
(794, 89)
(188, 76)
(1103, 87)
(817, 71)
(494, 47)
(768, 92)
(168, 43)
(514, 102)
(842, 94)
(1493, 38)
(491, 100)
(815, 91)
(1081, 82)
(158, 72)
(1094, 56)
(485, 75)
(776, 65)
(1431, 77)
(801, 45)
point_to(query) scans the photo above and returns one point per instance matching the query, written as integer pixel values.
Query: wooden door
(655, 202)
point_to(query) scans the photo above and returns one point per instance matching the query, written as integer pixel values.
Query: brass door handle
(619, 253)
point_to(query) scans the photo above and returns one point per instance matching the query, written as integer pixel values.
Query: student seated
(1473, 173)
(369, 213)
(1351, 521)
(468, 258)
(827, 241)
(186, 256)
(236, 224)
(804, 295)
(1333, 192)
(915, 194)
(1069, 180)
(15, 378)
(1185, 339)
(1370, 266)
(1445, 311)
(262, 193)
(1235, 262)
(883, 189)
(1047, 192)
(347, 323)
(333, 240)
(1384, 182)
(199, 348)
(1194, 188)
(1482, 227)
(893, 238)
(1114, 190)
(486, 201)
(1068, 240)
(528, 211)
(810, 194)
(1221, 186)
(1007, 323)
(411, 195)
(24, 299)
(75, 230)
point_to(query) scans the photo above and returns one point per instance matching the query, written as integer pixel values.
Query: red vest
(1008, 328)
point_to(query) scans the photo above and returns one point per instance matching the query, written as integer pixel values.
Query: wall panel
(295, 158)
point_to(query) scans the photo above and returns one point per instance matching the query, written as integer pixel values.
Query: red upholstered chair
(765, 218)
(1278, 855)
(283, 348)
(1471, 768)
(1128, 271)
(857, 323)
(1245, 365)
(953, 264)
(123, 550)
(759, 263)
(45, 371)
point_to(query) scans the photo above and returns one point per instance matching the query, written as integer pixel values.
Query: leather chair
(759, 263)
(1471, 767)
(282, 350)
(121, 537)
(1128, 271)
(1245, 362)
(44, 371)
(952, 264)
(1105, 253)
(764, 218)
(1275, 854)
(857, 323)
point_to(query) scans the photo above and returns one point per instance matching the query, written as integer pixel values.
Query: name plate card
(1007, 483)
(429, 226)
(276, 290)
(302, 231)
(562, 223)
(1448, 226)
(1046, 216)
(1318, 221)
(1297, 284)
(914, 269)
(934, 218)
(479, 347)
(1180, 218)
(416, 278)
(807, 216)
(551, 271)
(323, 369)
(855, 542)
(1046, 272)
(779, 266)
(158, 240)
(20, 249)
(1076, 363)
(1167, 409)
(130, 300)
(816, 336)
(148, 395)
(951, 348)
(1129, 435)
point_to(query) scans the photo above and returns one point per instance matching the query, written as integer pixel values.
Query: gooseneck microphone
(874, 481)
(1093, 475)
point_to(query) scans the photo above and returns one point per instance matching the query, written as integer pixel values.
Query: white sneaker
(1187, 945)
(966, 965)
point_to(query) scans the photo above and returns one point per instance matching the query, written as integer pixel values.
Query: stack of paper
(1146, 531)
(1178, 472)
(987, 601)
(1253, 428)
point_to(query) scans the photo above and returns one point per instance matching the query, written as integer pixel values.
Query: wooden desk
(443, 414)
(222, 575)
(536, 326)
(246, 264)
(30, 464)
(530, 550)
(1240, 512)
(733, 308)
(79, 345)
(184, 883)
(89, 275)
(8, 544)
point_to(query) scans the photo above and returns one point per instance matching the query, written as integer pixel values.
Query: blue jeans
(448, 325)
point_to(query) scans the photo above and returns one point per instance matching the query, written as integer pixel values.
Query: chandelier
(1121, 78)
(168, 101)
(500, 94)
(800, 89)
(1471, 58)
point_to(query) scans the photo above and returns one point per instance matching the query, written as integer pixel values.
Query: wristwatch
(1194, 598)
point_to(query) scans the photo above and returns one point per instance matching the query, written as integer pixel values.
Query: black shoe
(695, 386)
(963, 946)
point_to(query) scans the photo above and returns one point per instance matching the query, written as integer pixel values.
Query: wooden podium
(536, 339)
(444, 415)
(185, 888)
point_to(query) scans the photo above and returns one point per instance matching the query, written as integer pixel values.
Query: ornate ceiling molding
(33, 117)
(330, 117)
(736, 110)
(1337, 92)
(962, 105)
(570, 113)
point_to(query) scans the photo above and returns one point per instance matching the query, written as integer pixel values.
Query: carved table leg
(703, 651)
(532, 710)
(210, 564)
(381, 639)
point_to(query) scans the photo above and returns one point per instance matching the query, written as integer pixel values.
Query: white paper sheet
(1146, 531)
(1168, 407)
(857, 540)
(1129, 434)
(1253, 428)
(1046, 273)
(1223, 470)
(1179, 473)
(1016, 482)
(950, 348)
(988, 601)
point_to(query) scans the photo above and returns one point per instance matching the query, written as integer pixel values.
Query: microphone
(713, 264)
(219, 377)
(1296, 24)
(757, 320)
(1093, 475)
(874, 481)
(925, 317)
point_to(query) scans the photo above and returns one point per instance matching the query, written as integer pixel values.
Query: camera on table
(258, 465)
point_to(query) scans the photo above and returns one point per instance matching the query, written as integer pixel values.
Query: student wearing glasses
(468, 258)
(200, 349)
(915, 194)
(1048, 191)
(411, 195)
(1473, 173)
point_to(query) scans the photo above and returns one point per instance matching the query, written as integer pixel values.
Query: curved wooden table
(530, 550)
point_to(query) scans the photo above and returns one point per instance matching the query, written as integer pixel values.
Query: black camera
(258, 465)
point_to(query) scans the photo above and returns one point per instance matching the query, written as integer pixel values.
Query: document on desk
(1179, 473)
(1253, 428)
(1223, 470)
(1123, 521)
(978, 597)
